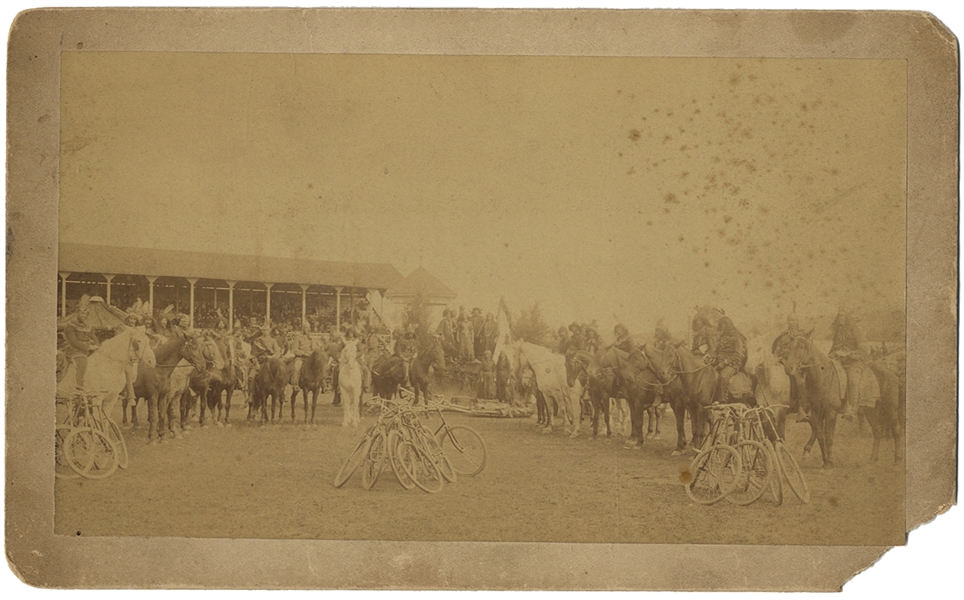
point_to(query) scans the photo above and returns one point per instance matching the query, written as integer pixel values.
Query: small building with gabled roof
(437, 295)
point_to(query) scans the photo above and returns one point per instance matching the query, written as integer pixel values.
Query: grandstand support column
(108, 278)
(231, 305)
(63, 292)
(192, 281)
(150, 292)
(338, 308)
(304, 304)
(267, 304)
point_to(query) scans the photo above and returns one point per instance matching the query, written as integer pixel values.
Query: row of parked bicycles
(417, 455)
(88, 443)
(742, 458)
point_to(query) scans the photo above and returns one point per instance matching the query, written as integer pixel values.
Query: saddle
(739, 385)
(867, 388)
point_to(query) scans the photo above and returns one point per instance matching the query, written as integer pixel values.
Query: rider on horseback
(624, 341)
(81, 343)
(299, 344)
(849, 348)
(405, 350)
(730, 356)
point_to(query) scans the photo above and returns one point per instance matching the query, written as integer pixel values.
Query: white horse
(550, 372)
(350, 385)
(107, 366)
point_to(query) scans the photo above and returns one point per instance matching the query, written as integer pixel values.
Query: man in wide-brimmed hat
(81, 343)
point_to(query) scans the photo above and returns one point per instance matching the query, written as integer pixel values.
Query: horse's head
(664, 364)
(797, 353)
(191, 351)
(211, 353)
(139, 344)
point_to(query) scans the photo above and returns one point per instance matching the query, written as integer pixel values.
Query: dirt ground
(253, 481)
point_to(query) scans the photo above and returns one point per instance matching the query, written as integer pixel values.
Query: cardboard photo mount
(38, 38)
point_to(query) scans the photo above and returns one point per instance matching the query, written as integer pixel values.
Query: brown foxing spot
(634, 134)
(685, 477)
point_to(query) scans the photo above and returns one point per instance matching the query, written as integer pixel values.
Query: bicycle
(462, 446)
(362, 450)
(757, 458)
(716, 469)
(787, 465)
(88, 441)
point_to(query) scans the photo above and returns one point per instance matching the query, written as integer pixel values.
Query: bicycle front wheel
(713, 474)
(421, 469)
(117, 437)
(374, 461)
(464, 449)
(394, 441)
(90, 453)
(788, 464)
(776, 480)
(62, 468)
(755, 476)
(354, 461)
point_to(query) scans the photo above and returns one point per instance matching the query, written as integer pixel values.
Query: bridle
(809, 351)
(677, 364)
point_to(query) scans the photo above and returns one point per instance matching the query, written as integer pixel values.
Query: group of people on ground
(467, 337)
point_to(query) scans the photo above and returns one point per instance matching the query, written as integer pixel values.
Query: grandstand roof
(422, 282)
(87, 258)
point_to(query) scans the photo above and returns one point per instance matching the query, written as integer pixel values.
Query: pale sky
(606, 188)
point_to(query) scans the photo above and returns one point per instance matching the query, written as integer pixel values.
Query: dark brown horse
(429, 354)
(698, 383)
(314, 371)
(268, 383)
(637, 382)
(223, 379)
(814, 376)
(886, 417)
(388, 373)
(599, 381)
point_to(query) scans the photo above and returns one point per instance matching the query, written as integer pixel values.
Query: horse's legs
(607, 411)
(827, 445)
(636, 423)
(314, 402)
(596, 409)
(679, 412)
(152, 416)
(574, 405)
(294, 396)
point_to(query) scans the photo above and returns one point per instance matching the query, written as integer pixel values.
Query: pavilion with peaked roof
(185, 278)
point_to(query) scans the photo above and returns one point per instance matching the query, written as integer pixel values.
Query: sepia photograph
(483, 297)
(554, 291)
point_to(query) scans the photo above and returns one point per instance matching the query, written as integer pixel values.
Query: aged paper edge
(38, 37)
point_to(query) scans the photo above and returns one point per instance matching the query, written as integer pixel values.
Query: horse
(550, 375)
(388, 373)
(429, 354)
(598, 380)
(270, 382)
(108, 367)
(886, 417)
(350, 385)
(314, 370)
(637, 381)
(177, 360)
(698, 387)
(223, 379)
(814, 375)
